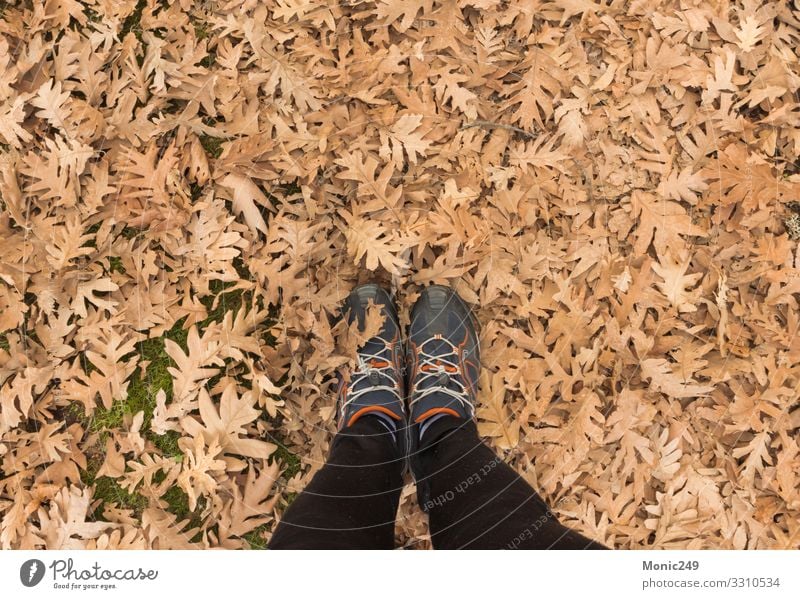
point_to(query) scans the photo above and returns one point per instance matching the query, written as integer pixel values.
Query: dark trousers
(474, 500)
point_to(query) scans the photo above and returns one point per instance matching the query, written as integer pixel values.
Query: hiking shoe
(443, 360)
(375, 385)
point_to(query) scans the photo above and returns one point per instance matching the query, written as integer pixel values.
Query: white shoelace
(434, 368)
(364, 370)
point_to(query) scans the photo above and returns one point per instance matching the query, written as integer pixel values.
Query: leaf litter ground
(189, 189)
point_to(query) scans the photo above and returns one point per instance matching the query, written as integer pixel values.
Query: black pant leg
(476, 501)
(351, 503)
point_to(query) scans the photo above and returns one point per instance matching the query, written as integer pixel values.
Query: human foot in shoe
(375, 386)
(443, 361)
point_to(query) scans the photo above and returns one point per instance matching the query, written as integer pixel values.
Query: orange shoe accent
(469, 380)
(368, 409)
(378, 363)
(434, 411)
(432, 367)
(464, 362)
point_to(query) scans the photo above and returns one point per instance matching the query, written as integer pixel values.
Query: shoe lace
(375, 368)
(440, 373)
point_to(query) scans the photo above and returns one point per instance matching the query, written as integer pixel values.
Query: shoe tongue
(377, 348)
(438, 347)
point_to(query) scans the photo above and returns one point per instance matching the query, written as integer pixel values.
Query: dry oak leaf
(361, 168)
(757, 452)
(676, 283)
(68, 243)
(774, 79)
(370, 239)
(226, 425)
(12, 308)
(164, 532)
(86, 292)
(389, 11)
(268, 394)
(109, 378)
(663, 379)
(684, 185)
(164, 418)
(738, 176)
(787, 474)
(129, 438)
(144, 472)
(191, 369)
(722, 80)
(251, 509)
(668, 453)
(16, 399)
(247, 198)
(572, 126)
(495, 420)
(750, 32)
(64, 524)
(402, 136)
(14, 525)
(50, 102)
(114, 463)
(572, 8)
(448, 89)
(288, 75)
(132, 538)
(631, 415)
(537, 90)
(349, 338)
(197, 476)
(12, 114)
(661, 222)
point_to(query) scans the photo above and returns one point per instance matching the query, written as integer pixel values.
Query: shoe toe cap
(361, 295)
(358, 301)
(437, 297)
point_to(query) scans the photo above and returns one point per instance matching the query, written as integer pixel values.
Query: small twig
(491, 125)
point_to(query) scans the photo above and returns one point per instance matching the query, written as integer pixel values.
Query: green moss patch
(108, 490)
(212, 145)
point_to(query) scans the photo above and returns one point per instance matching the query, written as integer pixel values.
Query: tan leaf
(663, 379)
(369, 239)
(495, 420)
(227, 425)
(197, 477)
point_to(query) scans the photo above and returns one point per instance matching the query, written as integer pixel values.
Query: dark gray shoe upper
(376, 383)
(443, 356)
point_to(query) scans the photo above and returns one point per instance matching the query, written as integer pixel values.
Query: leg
(476, 501)
(351, 503)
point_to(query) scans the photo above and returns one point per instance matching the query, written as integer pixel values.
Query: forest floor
(188, 190)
